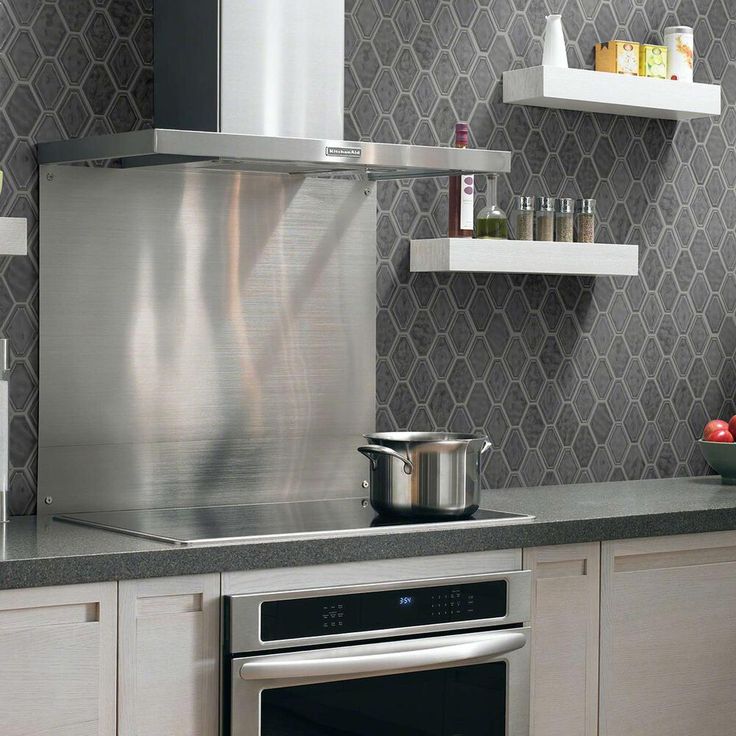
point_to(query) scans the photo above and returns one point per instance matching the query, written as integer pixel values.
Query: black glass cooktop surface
(268, 521)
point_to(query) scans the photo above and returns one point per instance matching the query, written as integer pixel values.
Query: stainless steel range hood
(257, 85)
(196, 149)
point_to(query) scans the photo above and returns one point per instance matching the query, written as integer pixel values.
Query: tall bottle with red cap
(461, 194)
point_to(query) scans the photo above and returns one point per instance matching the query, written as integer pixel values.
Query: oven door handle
(385, 657)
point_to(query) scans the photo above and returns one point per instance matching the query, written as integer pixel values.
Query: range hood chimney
(256, 67)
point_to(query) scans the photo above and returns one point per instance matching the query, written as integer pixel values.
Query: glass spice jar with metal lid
(546, 218)
(585, 221)
(564, 220)
(523, 219)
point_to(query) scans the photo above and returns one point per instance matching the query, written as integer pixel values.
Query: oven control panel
(298, 618)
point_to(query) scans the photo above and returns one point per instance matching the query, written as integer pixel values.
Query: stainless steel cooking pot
(425, 473)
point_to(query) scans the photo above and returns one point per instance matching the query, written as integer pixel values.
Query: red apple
(732, 425)
(714, 426)
(720, 435)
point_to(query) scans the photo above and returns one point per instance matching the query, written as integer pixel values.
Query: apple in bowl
(719, 448)
(720, 435)
(717, 427)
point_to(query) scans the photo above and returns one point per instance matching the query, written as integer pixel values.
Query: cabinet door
(565, 604)
(668, 636)
(57, 660)
(168, 669)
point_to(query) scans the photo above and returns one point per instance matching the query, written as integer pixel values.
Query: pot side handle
(370, 451)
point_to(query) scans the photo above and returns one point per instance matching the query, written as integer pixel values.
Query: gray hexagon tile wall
(574, 379)
(67, 68)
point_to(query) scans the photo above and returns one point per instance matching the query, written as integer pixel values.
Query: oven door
(470, 684)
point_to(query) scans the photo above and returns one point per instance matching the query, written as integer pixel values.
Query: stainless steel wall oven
(438, 657)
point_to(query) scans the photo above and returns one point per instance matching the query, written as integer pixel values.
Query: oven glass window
(460, 701)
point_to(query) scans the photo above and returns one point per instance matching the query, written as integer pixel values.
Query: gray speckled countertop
(38, 551)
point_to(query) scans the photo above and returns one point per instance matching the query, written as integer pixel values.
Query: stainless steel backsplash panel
(206, 337)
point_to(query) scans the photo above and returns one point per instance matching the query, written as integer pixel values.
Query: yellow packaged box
(617, 57)
(653, 61)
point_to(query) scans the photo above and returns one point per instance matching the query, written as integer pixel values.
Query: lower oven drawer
(467, 684)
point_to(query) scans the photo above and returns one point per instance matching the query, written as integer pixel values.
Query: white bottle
(555, 53)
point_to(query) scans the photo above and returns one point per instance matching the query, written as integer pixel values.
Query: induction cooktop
(270, 521)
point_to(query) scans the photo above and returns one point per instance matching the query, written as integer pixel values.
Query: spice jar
(564, 220)
(585, 222)
(491, 221)
(546, 218)
(524, 218)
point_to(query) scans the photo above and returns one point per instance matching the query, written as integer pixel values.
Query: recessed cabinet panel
(57, 661)
(565, 600)
(668, 636)
(168, 671)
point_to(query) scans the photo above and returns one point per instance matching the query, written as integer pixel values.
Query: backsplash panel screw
(366, 191)
(49, 177)
(364, 504)
(48, 500)
(365, 484)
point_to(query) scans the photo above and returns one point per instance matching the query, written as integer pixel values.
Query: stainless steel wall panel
(206, 337)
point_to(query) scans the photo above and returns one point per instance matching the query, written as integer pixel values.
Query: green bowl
(721, 456)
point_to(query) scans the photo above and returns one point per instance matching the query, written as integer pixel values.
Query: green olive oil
(492, 227)
(491, 221)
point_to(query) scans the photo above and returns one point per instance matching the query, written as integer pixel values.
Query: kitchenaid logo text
(343, 151)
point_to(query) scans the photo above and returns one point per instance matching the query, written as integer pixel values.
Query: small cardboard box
(617, 57)
(653, 61)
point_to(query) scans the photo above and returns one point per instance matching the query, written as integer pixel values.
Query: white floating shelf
(614, 94)
(524, 256)
(13, 236)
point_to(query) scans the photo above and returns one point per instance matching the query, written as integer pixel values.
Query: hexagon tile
(574, 379)
(67, 69)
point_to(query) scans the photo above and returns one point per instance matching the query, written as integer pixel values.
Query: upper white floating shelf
(523, 256)
(13, 236)
(614, 94)
(202, 149)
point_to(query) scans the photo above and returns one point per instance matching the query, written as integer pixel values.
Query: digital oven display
(387, 609)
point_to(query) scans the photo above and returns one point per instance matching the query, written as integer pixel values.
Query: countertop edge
(139, 564)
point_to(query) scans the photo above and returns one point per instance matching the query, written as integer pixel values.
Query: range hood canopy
(256, 153)
(257, 86)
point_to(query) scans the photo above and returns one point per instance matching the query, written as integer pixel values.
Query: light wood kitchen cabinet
(57, 660)
(168, 669)
(564, 666)
(668, 636)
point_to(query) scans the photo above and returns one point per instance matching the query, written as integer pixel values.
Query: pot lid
(421, 436)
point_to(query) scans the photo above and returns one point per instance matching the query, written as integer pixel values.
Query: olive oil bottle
(492, 221)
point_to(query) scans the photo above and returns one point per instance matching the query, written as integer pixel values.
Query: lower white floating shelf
(13, 236)
(524, 256)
